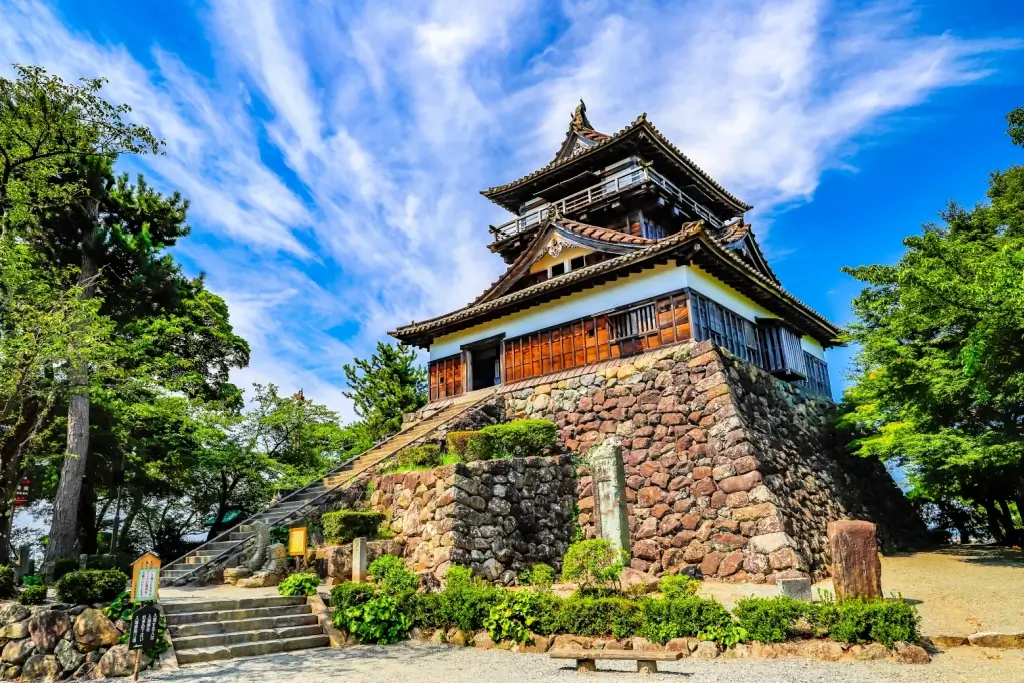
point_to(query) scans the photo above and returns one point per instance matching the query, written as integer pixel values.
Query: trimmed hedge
(522, 438)
(427, 455)
(89, 586)
(32, 595)
(345, 525)
(471, 446)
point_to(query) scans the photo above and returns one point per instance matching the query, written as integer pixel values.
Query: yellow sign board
(146, 579)
(297, 540)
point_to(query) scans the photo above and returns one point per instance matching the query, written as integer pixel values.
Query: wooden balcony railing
(613, 185)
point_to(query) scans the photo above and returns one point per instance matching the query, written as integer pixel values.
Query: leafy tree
(939, 375)
(47, 125)
(390, 383)
(45, 329)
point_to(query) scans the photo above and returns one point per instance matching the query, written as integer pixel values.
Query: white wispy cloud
(333, 161)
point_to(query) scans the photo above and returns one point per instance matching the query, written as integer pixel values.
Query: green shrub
(32, 595)
(770, 620)
(678, 586)
(8, 589)
(392, 575)
(349, 594)
(547, 608)
(522, 438)
(382, 619)
(590, 616)
(299, 584)
(427, 455)
(592, 563)
(863, 621)
(278, 534)
(471, 446)
(511, 618)
(64, 565)
(540, 575)
(664, 619)
(89, 586)
(727, 636)
(345, 525)
(32, 580)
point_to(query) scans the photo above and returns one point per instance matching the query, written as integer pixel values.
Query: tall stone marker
(856, 569)
(359, 560)
(609, 475)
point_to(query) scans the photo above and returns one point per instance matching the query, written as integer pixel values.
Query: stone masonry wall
(727, 467)
(495, 516)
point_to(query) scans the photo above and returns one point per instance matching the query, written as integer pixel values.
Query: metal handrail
(309, 503)
(623, 180)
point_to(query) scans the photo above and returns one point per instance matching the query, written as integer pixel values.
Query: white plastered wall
(649, 283)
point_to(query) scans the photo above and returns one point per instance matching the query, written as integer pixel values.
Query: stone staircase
(224, 629)
(222, 549)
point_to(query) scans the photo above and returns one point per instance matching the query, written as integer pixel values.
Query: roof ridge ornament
(579, 116)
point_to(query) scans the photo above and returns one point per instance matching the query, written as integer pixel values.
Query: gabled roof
(573, 232)
(639, 127)
(580, 132)
(694, 243)
(739, 237)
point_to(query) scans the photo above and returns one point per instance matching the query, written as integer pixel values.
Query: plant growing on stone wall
(427, 455)
(471, 446)
(522, 438)
(593, 564)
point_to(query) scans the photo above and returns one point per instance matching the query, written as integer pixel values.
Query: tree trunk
(64, 523)
(993, 524)
(1006, 521)
(122, 536)
(11, 471)
(87, 520)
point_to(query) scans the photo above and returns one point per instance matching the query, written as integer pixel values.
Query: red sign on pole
(21, 495)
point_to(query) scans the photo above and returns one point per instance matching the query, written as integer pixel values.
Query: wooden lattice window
(636, 322)
(446, 377)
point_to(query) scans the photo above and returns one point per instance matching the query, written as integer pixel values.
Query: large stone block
(856, 569)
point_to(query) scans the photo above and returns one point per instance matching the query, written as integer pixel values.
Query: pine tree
(384, 387)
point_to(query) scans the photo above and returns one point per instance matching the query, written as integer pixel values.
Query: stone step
(237, 614)
(238, 637)
(256, 624)
(265, 647)
(241, 603)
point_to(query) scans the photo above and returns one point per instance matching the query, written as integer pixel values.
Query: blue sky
(333, 152)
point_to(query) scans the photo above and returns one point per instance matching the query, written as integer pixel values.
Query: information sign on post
(143, 632)
(297, 541)
(146, 578)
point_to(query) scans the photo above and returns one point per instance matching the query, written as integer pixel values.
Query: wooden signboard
(297, 541)
(146, 578)
(143, 633)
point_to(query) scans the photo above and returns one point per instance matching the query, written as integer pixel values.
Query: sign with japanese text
(144, 627)
(146, 578)
(297, 540)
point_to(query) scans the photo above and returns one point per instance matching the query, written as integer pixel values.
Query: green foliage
(392, 575)
(64, 565)
(770, 620)
(299, 584)
(665, 619)
(522, 438)
(727, 636)
(939, 372)
(121, 608)
(540, 575)
(593, 563)
(7, 582)
(345, 525)
(384, 387)
(862, 621)
(511, 619)
(677, 586)
(381, 619)
(32, 580)
(427, 455)
(349, 594)
(85, 587)
(278, 534)
(592, 616)
(32, 595)
(471, 446)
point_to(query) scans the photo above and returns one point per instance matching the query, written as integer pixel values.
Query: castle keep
(637, 303)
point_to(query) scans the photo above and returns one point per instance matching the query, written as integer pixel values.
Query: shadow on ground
(998, 556)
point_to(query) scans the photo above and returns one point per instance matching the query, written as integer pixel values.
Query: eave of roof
(691, 233)
(640, 122)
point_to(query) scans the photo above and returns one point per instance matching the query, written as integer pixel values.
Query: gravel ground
(443, 664)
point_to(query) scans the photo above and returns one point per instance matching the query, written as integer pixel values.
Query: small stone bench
(646, 662)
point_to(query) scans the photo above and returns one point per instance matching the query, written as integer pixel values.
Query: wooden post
(138, 658)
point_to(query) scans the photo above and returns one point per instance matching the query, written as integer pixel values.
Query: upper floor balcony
(634, 176)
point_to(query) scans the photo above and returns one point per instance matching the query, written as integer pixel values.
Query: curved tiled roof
(690, 231)
(640, 122)
(603, 234)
